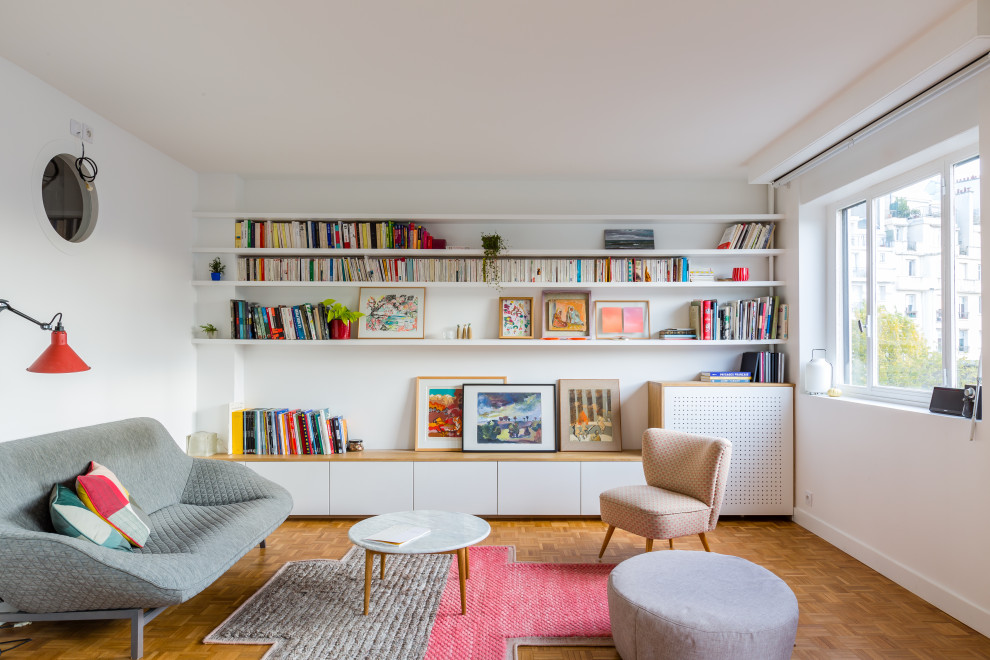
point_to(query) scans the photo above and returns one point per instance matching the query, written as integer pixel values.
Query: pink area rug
(511, 604)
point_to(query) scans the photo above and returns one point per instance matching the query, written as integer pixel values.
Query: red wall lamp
(58, 358)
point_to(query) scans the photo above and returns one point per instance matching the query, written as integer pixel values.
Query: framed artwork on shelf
(439, 410)
(515, 318)
(391, 313)
(628, 239)
(589, 415)
(566, 313)
(622, 319)
(519, 418)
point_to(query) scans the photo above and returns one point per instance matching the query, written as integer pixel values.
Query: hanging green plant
(492, 244)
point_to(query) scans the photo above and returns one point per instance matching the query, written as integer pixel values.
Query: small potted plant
(340, 319)
(210, 330)
(216, 269)
(492, 244)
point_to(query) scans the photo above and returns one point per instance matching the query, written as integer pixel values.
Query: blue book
(723, 374)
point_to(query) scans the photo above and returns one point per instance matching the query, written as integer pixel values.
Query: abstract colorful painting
(391, 313)
(589, 415)
(445, 405)
(516, 318)
(509, 417)
(622, 319)
(439, 410)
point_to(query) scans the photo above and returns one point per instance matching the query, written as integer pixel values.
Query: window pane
(966, 241)
(854, 287)
(908, 232)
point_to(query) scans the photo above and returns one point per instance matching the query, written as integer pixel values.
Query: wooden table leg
(461, 572)
(467, 564)
(381, 572)
(369, 560)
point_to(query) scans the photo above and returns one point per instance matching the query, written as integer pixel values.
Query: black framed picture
(504, 417)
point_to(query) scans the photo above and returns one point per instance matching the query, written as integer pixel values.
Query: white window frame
(837, 302)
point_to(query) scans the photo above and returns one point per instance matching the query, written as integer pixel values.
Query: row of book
(372, 269)
(766, 367)
(253, 321)
(747, 236)
(284, 432)
(334, 234)
(752, 319)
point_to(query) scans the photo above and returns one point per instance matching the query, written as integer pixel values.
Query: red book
(706, 323)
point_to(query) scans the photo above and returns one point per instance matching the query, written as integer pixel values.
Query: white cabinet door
(308, 483)
(539, 489)
(456, 486)
(598, 477)
(368, 489)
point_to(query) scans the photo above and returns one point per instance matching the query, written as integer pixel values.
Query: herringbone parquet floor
(847, 609)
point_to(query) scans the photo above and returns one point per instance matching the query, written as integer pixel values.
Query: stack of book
(677, 333)
(254, 321)
(284, 432)
(333, 234)
(765, 366)
(752, 319)
(725, 376)
(747, 236)
(702, 275)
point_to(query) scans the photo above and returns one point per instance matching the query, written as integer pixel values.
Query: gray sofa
(205, 515)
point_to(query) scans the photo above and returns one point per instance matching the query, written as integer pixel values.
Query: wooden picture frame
(566, 313)
(392, 313)
(589, 415)
(510, 418)
(439, 406)
(622, 319)
(516, 319)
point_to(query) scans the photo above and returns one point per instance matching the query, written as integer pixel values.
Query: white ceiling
(603, 89)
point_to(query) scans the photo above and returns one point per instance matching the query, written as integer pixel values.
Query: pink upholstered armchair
(686, 477)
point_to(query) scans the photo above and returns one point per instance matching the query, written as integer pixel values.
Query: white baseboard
(948, 601)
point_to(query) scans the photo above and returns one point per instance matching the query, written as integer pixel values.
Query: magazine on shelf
(398, 534)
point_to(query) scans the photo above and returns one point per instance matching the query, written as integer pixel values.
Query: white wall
(374, 387)
(900, 489)
(124, 293)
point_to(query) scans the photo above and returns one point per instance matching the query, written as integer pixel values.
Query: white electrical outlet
(809, 498)
(76, 128)
(87, 133)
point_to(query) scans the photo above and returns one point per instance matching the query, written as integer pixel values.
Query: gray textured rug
(320, 615)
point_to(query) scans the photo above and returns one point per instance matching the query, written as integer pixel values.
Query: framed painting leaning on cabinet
(589, 415)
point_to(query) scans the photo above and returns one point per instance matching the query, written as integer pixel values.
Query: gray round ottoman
(683, 605)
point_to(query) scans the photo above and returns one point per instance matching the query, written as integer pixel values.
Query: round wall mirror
(70, 203)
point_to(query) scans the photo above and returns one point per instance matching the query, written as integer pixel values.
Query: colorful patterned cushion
(105, 496)
(71, 517)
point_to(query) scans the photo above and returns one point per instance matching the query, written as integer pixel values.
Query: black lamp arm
(51, 325)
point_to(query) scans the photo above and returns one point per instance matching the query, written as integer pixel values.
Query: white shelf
(505, 285)
(456, 253)
(439, 218)
(474, 343)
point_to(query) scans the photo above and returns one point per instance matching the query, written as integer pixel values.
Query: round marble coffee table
(450, 533)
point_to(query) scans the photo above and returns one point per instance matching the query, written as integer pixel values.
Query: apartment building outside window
(908, 268)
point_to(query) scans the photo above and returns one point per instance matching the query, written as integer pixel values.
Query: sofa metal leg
(139, 619)
(262, 544)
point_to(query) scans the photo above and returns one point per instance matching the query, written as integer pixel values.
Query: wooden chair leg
(671, 542)
(649, 545)
(608, 536)
(704, 541)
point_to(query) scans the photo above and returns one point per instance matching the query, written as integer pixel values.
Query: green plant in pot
(216, 268)
(492, 244)
(340, 319)
(210, 330)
